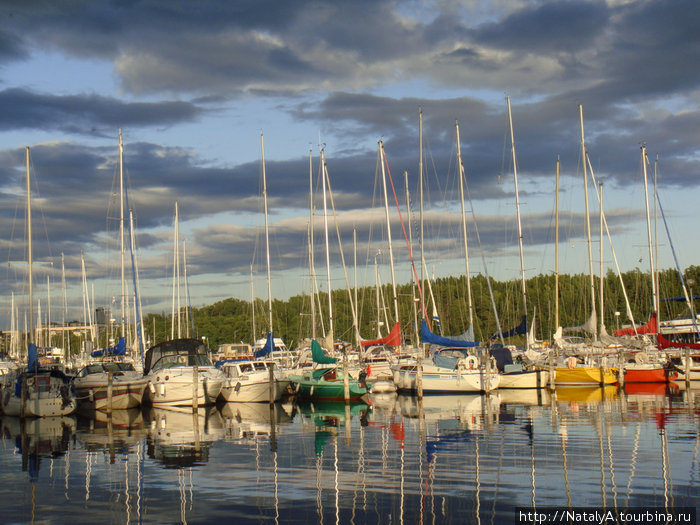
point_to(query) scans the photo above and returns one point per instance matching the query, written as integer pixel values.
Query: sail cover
(649, 328)
(428, 337)
(118, 349)
(267, 349)
(393, 339)
(664, 343)
(319, 356)
(521, 329)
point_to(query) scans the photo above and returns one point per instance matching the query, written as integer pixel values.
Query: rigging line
(483, 261)
(410, 251)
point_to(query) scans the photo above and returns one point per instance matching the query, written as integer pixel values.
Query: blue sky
(192, 86)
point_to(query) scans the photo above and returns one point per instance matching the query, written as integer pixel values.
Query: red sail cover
(665, 343)
(393, 339)
(649, 328)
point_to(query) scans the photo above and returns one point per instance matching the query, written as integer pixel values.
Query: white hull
(252, 391)
(125, 394)
(175, 387)
(45, 397)
(525, 379)
(444, 380)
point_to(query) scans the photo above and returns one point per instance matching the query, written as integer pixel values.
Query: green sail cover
(319, 357)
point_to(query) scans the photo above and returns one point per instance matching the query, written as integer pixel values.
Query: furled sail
(428, 337)
(393, 339)
(267, 349)
(651, 327)
(319, 356)
(118, 349)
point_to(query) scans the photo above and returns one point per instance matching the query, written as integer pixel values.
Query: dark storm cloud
(548, 27)
(86, 114)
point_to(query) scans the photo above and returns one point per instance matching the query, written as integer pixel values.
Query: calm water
(456, 459)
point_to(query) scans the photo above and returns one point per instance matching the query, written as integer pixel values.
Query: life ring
(571, 363)
(472, 362)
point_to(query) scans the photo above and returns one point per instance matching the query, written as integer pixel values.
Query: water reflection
(182, 437)
(445, 459)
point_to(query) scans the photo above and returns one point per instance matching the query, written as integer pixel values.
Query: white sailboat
(36, 392)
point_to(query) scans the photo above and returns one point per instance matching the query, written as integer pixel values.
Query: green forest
(231, 320)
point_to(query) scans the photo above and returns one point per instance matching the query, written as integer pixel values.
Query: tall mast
(176, 279)
(30, 256)
(252, 302)
(420, 194)
(410, 243)
(654, 291)
(517, 211)
(460, 170)
(388, 233)
(556, 249)
(121, 230)
(328, 259)
(584, 157)
(601, 299)
(267, 236)
(312, 270)
(66, 350)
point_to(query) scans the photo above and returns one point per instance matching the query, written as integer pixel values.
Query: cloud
(87, 114)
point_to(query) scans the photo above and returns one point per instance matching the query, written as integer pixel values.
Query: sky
(194, 85)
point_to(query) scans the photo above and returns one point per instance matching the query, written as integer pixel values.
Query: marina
(443, 459)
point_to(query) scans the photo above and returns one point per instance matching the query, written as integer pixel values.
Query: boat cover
(429, 337)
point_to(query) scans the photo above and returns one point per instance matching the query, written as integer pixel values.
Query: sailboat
(36, 392)
(574, 371)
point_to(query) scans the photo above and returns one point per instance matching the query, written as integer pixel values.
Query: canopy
(428, 337)
(393, 339)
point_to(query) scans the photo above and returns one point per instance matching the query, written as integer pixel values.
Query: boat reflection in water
(37, 439)
(443, 459)
(182, 437)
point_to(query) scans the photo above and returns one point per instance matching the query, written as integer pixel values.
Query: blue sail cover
(267, 349)
(32, 358)
(118, 349)
(428, 337)
(521, 329)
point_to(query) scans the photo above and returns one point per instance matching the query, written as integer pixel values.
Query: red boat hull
(649, 375)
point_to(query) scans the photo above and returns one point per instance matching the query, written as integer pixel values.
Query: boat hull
(525, 379)
(125, 394)
(175, 386)
(443, 380)
(252, 391)
(649, 375)
(585, 376)
(313, 385)
(46, 396)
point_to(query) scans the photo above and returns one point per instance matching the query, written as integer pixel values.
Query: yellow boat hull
(585, 375)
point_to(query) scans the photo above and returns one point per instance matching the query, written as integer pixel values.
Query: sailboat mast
(517, 212)
(601, 299)
(584, 157)
(312, 270)
(420, 194)
(654, 291)
(460, 171)
(30, 274)
(410, 243)
(388, 233)
(556, 249)
(252, 302)
(267, 235)
(121, 231)
(328, 257)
